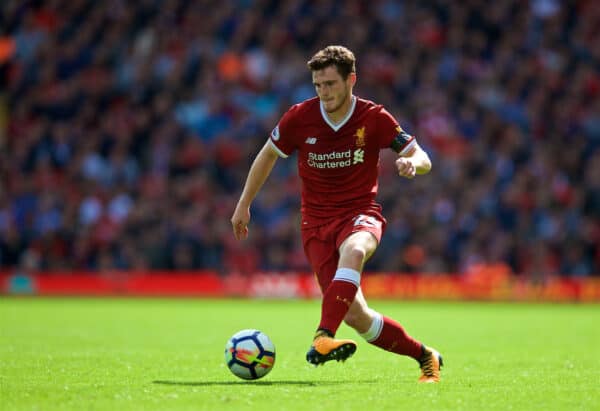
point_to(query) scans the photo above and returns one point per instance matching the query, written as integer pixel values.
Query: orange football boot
(431, 361)
(326, 348)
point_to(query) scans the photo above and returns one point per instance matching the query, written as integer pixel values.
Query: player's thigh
(362, 232)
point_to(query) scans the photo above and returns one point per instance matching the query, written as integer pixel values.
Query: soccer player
(338, 136)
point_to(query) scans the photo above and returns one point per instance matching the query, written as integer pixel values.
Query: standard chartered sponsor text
(335, 159)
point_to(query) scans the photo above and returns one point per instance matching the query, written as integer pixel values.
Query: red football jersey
(337, 163)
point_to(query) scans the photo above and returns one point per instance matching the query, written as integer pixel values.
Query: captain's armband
(403, 142)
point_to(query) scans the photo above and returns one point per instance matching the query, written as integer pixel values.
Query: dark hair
(338, 56)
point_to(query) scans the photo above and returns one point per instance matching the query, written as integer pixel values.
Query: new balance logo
(359, 156)
(311, 140)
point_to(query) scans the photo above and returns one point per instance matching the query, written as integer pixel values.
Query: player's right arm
(259, 171)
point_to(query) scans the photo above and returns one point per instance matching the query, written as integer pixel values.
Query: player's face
(335, 92)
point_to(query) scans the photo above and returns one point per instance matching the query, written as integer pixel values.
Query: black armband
(402, 141)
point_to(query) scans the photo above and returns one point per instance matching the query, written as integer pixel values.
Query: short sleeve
(387, 127)
(392, 135)
(283, 135)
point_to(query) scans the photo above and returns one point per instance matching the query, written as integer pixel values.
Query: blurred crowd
(127, 129)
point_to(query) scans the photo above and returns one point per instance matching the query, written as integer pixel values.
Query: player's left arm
(412, 159)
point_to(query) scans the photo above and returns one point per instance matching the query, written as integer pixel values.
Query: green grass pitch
(163, 354)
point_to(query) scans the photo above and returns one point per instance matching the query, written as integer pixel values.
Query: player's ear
(352, 78)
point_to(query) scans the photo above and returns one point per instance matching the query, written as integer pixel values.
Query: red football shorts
(322, 243)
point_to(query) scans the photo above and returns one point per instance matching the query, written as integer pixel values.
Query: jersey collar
(339, 125)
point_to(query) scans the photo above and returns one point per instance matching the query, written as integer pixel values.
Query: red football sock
(337, 299)
(395, 339)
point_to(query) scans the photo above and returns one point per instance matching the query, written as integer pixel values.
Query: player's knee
(357, 253)
(358, 248)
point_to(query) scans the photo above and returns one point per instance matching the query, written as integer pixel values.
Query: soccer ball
(250, 354)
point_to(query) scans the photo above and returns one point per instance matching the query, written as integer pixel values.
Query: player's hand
(239, 221)
(405, 167)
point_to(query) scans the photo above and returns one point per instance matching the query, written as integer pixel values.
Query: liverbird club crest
(360, 136)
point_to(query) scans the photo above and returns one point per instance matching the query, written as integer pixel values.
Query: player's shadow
(276, 382)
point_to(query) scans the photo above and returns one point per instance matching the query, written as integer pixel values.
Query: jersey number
(366, 221)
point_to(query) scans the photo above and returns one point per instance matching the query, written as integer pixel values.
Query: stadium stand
(127, 127)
